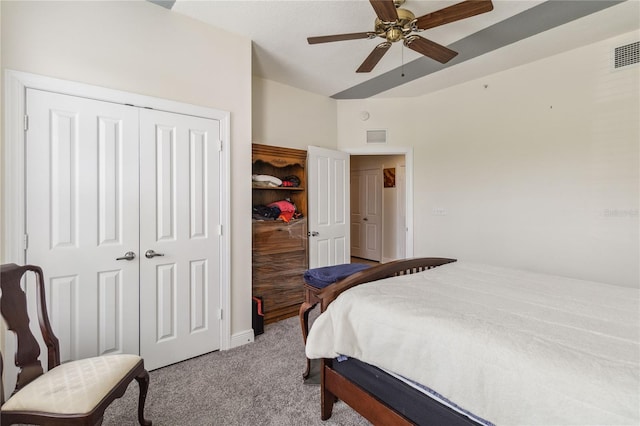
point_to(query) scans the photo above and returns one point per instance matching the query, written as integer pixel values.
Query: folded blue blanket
(322, 277)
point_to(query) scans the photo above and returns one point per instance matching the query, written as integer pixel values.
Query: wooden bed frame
(334, 385)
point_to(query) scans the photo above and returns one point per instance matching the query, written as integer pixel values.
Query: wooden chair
(73, 393)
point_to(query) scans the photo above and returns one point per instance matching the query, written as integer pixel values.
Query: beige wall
(290, 117)
(536, 167)
(142, 48)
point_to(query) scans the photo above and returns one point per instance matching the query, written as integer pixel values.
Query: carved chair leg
(143, 382)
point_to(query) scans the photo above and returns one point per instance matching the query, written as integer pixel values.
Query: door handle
(127, 256)
(313, 233)
(365, 219)
(151, 254)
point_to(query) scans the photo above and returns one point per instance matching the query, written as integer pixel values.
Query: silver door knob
(127, 256)
(150, 254)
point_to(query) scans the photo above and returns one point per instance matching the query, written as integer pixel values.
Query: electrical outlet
(439, 211)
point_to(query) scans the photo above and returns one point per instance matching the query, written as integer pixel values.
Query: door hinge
(25, 241)
(219, 146)
(220, 313)
(26, 122)
(220, 230)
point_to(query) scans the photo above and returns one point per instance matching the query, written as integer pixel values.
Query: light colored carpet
(256, 384)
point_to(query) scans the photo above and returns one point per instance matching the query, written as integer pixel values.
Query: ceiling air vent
(376, 136)
(626, 55)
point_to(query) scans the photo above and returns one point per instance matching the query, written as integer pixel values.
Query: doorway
(337, 202)
(366, 212)
(378, 207)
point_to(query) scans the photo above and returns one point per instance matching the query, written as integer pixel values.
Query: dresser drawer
(278, 279)
(265, 266)
(279, 237)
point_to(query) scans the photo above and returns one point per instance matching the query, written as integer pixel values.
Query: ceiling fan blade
(429, 48)
(385, 9)
(454, 13)
(339, 37)
(374, 57)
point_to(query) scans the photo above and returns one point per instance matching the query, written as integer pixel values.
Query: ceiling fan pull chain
(402, 56)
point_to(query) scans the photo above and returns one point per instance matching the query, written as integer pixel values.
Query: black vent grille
(626, 55)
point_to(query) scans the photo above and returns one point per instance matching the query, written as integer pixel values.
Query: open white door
(328, 199)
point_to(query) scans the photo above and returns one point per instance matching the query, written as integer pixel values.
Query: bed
(435, 341)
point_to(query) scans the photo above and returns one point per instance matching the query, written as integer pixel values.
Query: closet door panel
(82, 214)
(180, 190)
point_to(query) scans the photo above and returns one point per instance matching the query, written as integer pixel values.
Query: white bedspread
(513, 347)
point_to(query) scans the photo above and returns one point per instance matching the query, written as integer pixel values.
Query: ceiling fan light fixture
(394, 34)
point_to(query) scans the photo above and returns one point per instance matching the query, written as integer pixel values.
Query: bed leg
(326, 398)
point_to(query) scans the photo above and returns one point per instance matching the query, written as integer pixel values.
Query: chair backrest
(13, 307)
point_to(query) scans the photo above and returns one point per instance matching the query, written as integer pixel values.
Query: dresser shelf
(279, 188)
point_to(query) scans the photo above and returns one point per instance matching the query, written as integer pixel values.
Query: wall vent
(626, 55)
(376, 136)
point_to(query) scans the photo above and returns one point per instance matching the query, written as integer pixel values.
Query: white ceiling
(279, 28)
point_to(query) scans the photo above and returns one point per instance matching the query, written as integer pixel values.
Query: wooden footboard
(335, 386)
(385, 270)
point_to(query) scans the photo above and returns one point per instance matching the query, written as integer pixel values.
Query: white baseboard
(242, 338)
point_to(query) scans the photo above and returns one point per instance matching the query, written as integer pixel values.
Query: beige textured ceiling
(279, 28)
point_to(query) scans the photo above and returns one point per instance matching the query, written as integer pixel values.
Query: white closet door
(82, 214)
(179, 219)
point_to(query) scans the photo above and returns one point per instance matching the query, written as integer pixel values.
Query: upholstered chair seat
(73, 388)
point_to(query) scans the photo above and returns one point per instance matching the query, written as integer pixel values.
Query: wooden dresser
(280, 253)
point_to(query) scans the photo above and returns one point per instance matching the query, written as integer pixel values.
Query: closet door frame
(13, 178)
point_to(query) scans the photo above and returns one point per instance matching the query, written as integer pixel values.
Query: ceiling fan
(394, 24)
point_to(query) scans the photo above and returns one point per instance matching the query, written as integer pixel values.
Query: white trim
(14, 179)
(225, 240)
(16, 84)
(65, 87)
(408, 156)
(242, 338)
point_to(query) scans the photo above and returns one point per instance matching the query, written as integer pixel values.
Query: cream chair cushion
(75, 387)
